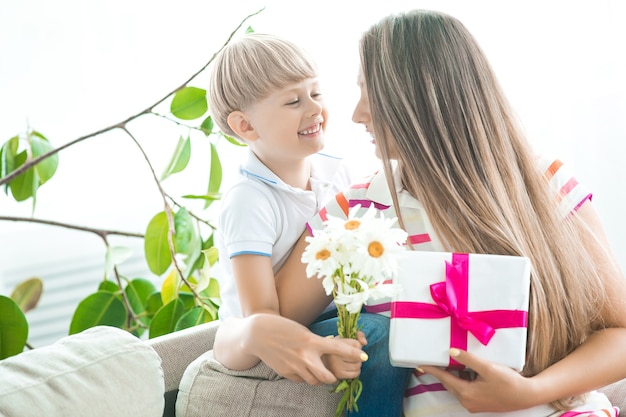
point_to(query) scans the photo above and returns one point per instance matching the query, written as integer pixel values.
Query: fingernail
(420, 370)
(364, 357)
(330, 336)
(454, 352)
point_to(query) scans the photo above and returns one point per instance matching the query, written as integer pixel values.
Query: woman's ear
(240, 124)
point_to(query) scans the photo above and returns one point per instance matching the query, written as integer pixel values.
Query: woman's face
(363, 116)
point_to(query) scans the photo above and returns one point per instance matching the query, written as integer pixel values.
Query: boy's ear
(240, 124)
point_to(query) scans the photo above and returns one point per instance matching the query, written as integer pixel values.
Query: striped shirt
(425, 395)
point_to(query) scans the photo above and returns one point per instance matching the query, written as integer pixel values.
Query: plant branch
(100, 232)
(121, 125)
(169, 214)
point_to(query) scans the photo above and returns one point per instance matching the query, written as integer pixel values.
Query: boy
(264, 91)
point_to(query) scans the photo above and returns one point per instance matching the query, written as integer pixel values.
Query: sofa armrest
(177, 350)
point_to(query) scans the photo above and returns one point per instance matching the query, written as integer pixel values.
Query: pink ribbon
(450, 298)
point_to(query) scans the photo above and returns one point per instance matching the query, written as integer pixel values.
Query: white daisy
(378, 243)
(320, 255)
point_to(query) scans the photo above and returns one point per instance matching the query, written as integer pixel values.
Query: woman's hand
(496, 388)
(346, 367)
(294, 352)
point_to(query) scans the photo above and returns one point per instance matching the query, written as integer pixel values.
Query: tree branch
(121, 125)
(100, 232)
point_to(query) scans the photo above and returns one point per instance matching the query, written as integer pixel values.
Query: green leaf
(109, 286)
(27, 294)
(208, 196)
(154, 303)
(99, 309)
(232, 140)
(188, 299)
(40, 145)
(210, 258)
(199, 262)
(189, 103)
(207, 125)
(7, 156)
(13, 328)
(185, 231)
(193, 317)
(156, 247)
(213, 290)
(164, 321)
(169, 287)
(180, 158)
(138, 291)
(215, 176)
(24, 185)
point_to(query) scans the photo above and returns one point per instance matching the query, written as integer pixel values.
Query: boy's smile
(288, 125)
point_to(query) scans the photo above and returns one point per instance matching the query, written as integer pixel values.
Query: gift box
(473, 302)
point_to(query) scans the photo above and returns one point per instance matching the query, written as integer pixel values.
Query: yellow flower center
(375, 249)
(352, 224)
(322, 255)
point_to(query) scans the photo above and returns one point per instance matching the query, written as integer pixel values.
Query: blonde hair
(249, 69)
(435, 101)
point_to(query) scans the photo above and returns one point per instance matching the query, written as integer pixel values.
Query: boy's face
(289, 124)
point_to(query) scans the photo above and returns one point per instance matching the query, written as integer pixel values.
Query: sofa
(105, 371)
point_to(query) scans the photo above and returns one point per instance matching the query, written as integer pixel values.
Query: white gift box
(473, 302)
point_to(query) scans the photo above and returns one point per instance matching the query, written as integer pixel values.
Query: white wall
(70, 67)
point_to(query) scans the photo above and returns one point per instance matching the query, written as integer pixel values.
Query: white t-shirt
(261, 214)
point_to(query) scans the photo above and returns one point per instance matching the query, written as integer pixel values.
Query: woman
(452, 150)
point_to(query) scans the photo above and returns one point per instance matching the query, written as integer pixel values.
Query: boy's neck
(296, 173)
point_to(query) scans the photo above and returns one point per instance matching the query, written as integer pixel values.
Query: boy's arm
(254, 279)
(289, 348)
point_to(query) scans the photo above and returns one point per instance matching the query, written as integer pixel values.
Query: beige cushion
(209, 389)
(103, 371)
(616, 394)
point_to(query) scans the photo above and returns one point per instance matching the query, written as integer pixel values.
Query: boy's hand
(294, 352)
(346, 367)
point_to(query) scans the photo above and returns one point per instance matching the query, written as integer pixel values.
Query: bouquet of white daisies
(355, 258)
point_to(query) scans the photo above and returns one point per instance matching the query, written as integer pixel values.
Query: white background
(70, 67)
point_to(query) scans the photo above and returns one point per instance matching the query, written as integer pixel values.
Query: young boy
(264, 90)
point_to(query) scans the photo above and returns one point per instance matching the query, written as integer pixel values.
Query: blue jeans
(383, 384)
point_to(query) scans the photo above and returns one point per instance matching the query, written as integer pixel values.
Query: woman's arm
(597, 362)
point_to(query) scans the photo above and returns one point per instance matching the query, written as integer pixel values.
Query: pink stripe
(591, 413)
(323, 214)
(569, 186)
(357, 186)
(587, 197)
(368, 203)
(421, 238)
(378, 308)
(422, 388)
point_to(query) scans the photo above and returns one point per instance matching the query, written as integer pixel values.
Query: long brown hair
(461, 152)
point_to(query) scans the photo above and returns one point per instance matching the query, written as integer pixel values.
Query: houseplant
(178, 243)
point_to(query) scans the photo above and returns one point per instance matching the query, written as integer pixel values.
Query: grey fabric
(103, 371)
(180, 348)
(208, 389)
(616, 393)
